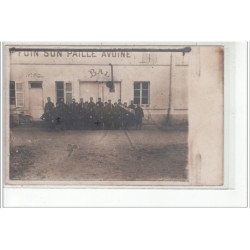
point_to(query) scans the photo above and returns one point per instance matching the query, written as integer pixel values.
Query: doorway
(89, 89)
(36, 100)
(99, 90)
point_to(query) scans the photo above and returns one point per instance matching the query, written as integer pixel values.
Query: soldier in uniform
(85, 108)
(119, 102)
(91, 113)
(139, 114)
(110, 104)
(132, 113)
(73, 114)
(115, 116)
(49, 106)
(107, 112)
(105, 117)
(60, 114)
(48, 112)
(132, 105)
(99, 114)
(110, 108)
(99, 102)
(81, 114)
(120, 113)
(125, 115)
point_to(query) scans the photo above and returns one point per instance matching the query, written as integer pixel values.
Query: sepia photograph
(114, 114)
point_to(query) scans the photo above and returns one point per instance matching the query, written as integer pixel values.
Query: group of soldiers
(91, 115)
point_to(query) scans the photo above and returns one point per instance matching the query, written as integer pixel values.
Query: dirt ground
(150, 154)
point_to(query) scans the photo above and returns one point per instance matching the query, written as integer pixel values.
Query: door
(96, 90)
(36, 100)
(89, 89)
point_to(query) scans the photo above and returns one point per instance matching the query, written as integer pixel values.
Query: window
(36, 85)
(59, 91)
(12, 93)
(16, 94)
(19, 95)
(68, 92)
(141, 93)
(61, 94)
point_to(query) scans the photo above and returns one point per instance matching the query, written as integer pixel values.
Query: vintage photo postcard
(113, 115)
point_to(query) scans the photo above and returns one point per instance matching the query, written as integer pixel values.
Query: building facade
(155, 80)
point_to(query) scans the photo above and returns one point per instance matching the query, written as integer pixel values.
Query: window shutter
(68, 86)
(68, 89)
(12, 93)
(19, 94)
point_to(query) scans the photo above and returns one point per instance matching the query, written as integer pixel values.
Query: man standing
(86, 114)
(48, 112)
(81, 114)
(132, 105)
(119, 102)
(132, 114)
(125, 116)
(120, 113)
(99, 114)
(99, 102)
(73, 109)
(60, 114)
(115, 115)
(91, 113)
(107, 110)
(49, 106)
(139, 114)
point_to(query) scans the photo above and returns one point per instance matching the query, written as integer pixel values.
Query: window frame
(68, 91)
(65, 91)
(140, 89)
(35, 82)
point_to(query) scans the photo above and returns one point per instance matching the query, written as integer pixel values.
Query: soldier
(99, 114)
(81, 114)
(119, 102)
(48, 112)
(110, 104)
(73, 114)
(86, 115)
(120, 113)
(67, 115)
(107, 115)
(115, 115)
(132, 114)
(99, 102)
(139, 114)
(110, 108)
(91, 113)
(125, 116)
(132, 105)
(81, 103)
(49, 105)
(60, 114)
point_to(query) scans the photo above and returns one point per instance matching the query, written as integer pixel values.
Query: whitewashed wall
(153, 67)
